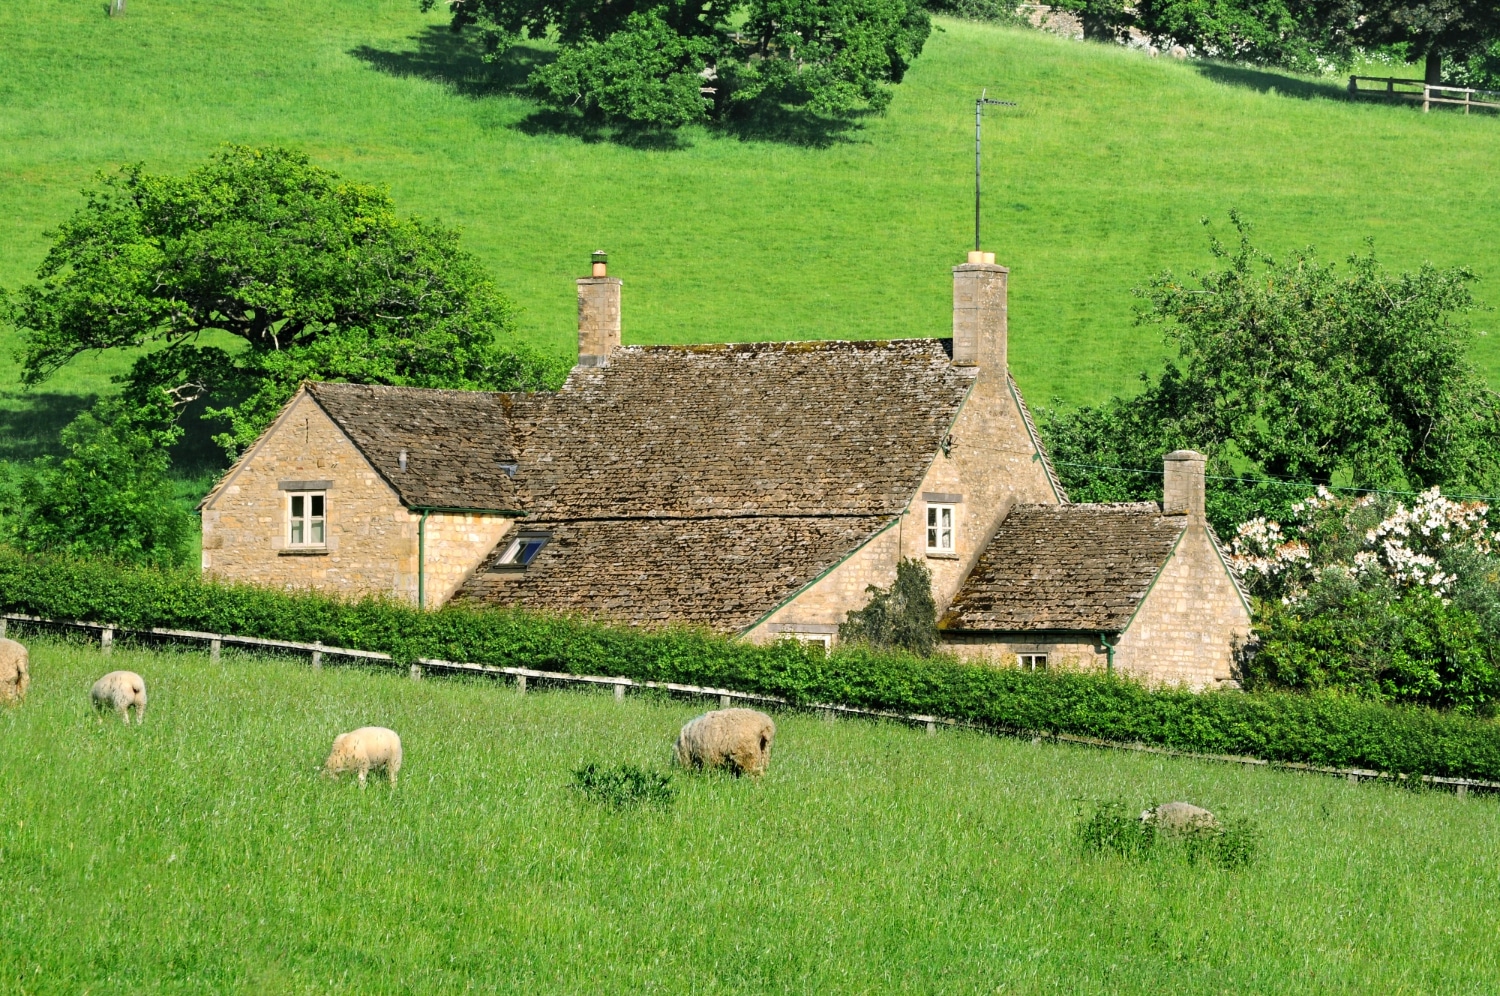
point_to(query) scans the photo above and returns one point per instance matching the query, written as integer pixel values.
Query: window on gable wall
(307, 520)
(941, 530)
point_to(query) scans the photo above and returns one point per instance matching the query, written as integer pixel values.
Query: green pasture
(774, 230)
(202, 853)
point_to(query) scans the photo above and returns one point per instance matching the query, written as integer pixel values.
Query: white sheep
(737, 739)
(1181, 818)
(120, 691)
(15, 676)
(363, 749)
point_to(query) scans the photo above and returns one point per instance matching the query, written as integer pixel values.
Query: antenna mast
(979, 103)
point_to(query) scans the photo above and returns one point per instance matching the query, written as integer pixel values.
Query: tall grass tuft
(624, 785)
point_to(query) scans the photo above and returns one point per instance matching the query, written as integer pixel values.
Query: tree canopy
(1309, 34)
(289, 273)
(1464, 31)
(666, 63)
(110, 494)
(1296, 369)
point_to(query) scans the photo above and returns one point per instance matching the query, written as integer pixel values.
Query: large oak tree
(258, 270)
(665, 63)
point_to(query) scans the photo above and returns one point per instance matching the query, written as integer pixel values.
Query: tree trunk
(1434, 67)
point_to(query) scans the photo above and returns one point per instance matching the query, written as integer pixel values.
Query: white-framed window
(522, 551)
(307, 518)
(942, 528)
(1032, 662)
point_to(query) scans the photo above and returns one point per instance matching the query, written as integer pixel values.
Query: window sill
(935, 555)
(303, 551)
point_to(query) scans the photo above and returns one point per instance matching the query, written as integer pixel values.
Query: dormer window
(522, 551)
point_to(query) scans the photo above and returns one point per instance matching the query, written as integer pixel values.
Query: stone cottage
(757, 489)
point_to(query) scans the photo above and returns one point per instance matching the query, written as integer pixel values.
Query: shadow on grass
(1265, 81)
(458, 62)
(31, 422)
(196, 456)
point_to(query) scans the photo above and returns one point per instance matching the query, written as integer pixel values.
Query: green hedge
(1331, 730)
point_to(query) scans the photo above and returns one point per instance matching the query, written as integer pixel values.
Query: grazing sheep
(1180, 818)
(365, 748)
(119, 690)
(15, 676)
(737, 739)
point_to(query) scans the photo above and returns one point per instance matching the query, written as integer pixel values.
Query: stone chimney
(598, 315)
(979, 316)
(1182, 484)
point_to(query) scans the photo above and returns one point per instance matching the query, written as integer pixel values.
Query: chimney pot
(980, 322)
(1182, 484)
(598, 314)
(600, 258)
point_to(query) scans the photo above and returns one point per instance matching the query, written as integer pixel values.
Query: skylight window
(522, 551)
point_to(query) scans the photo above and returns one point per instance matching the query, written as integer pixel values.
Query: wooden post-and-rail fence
(317, 652)
(1395, 88)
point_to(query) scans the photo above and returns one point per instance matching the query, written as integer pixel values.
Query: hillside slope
(1095, 182)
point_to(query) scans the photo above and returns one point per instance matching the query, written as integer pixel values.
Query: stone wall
(992, 465)
(827, 601)
(1064, 652)
(1188, 626)
(456, 543)
(371, 544)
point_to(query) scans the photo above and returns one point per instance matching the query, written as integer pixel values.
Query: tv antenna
(979, 103)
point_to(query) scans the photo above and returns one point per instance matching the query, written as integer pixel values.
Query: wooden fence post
(1463, 790)
(619, 693)
(416, 672)
(317, 660)
(1426, 98)
(723, 702)
(1353, 778)
(521, 683)
(931, 727)
(106, 641)
(215, 648)
(2, 628)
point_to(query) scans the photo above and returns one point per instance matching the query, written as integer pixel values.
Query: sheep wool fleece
(121, 691)
(15, 672)
(738, 739)
(364, 750)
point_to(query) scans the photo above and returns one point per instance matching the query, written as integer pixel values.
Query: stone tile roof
(1066, 567)
(792, 428)
(722, 572)
(457, 442)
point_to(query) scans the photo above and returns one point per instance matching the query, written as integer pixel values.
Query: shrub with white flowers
(1360, 538)
(1398, 600)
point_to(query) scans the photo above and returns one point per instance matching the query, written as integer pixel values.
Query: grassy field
(201, 853)
(1096, 181)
